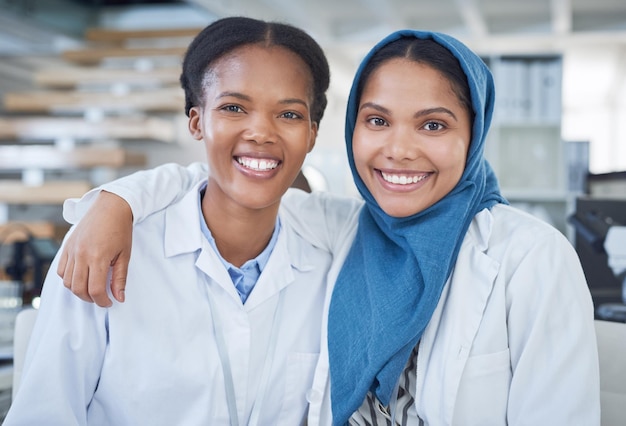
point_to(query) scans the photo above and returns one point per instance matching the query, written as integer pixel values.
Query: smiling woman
(227, 355)
(404, 146)
(257, 129)
(455, 289)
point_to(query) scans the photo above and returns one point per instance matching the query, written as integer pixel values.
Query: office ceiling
(348, 28)
(29, 24)
(365, 20)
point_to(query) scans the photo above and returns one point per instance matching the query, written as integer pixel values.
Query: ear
(313, 136)
(194, 124)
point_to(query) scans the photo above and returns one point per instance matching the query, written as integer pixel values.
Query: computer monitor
(592, 219)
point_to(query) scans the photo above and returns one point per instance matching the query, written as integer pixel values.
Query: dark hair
(227, 34)
(425, 51)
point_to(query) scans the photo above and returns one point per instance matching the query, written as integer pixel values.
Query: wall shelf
(51, 129)
(51, 192)
(524, 145)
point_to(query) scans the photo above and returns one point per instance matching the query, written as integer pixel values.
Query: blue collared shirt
(244, 278)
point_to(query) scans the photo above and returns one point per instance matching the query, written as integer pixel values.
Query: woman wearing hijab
(451, 307)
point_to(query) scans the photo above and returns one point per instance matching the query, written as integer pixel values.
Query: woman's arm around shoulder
(145, 191)
(100, 243)
(327, 220)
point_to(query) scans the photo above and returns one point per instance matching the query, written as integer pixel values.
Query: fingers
(96, 285)
(61, 267)
(118, 276)
(79, 283)
(88, 280)
(84, 273)
(65, 268)
(74, 276)
(99, 245)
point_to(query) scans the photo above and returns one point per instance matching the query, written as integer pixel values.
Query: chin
(398, 211)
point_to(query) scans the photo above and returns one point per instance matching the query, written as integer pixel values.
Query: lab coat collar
(182, 230)
(287, 260)
(480, 230)
(183, 235)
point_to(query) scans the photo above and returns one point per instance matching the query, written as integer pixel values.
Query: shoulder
(504, 231)
(320, 205)
(182, 216)
(509, 220)
(295, 198)
(530, 260)
(323, 218)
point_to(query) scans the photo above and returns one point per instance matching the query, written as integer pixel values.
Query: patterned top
(373, 413)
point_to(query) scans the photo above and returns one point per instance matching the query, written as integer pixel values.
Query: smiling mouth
(257, 164)
(402, 179)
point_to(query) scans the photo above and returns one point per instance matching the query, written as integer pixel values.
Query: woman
(221, 326)
(451, 307)
(472, 325)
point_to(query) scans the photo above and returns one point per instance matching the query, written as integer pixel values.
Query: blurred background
(559, 64)
(89, 92)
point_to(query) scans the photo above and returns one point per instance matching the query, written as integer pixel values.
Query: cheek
(456, 167)
(301, 138)
(361, 147)
(452, 156)
(359, 153)
(462, 153)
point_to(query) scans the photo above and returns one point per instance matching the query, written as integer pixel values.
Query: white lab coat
(512, 340)
(153, 360)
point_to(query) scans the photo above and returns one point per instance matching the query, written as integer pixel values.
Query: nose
(261, 129)
(402, 144)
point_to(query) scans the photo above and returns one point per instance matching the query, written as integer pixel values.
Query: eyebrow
(294, 101)
(418, 114)
(233, 95)
(243, 97)
(434, 111)
(374, 106)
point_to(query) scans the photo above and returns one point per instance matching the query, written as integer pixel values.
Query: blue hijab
(396, 269)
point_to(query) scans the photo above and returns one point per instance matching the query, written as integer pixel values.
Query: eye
(291, 115)
(232, 108)
(377, 121)
(433, 126)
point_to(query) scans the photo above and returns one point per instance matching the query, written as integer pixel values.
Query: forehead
(261, 65)
(249, 52)
(408, 79)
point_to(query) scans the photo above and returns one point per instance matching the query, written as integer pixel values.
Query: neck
(240, 234)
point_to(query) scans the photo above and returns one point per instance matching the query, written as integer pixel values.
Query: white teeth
(258, 165)
(402, 179)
